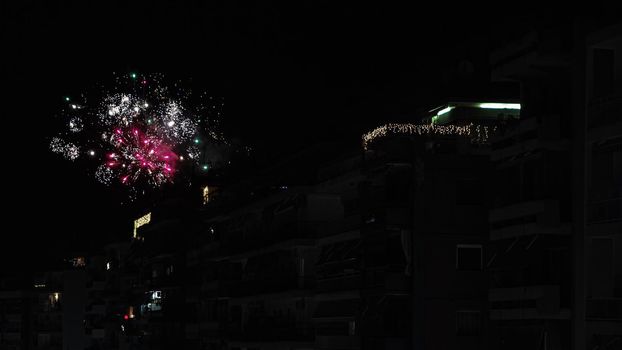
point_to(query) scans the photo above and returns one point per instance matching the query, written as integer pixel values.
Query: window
(603, 66)
(154, 302)
(78, 261)
(606, 169)
(606, 182)
(301, 267)
(43, 339)
(352, 328)
(469, 257)
(468, 323)
(398, 184)
(54, 301)
(205, 195)
(530, 180)
(601, 268)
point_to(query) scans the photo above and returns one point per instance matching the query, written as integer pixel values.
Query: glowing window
(205, 195)
(78, 261)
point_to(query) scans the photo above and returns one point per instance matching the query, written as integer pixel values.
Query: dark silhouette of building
(44, 310)
(547, 206)
(597, 181)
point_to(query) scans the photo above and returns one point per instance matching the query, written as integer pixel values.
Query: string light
(477, 133)
(141, 221)
(66, 149)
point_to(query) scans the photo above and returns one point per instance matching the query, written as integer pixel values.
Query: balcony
(191, 331)
(528, 135)
(527, 218)
(605, 211)
(50, 326)
(379, 197)
(97, 285)
(524, 303)
(604, 309)
(345, 281)
(98, 309)
(98, 333)
(337, 342)
(272, 329)
(389, 278)
(605, 111)
(214, 289)
(269, 285)
(292, 234)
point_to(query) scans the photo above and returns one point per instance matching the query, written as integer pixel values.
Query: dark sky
(292, 74)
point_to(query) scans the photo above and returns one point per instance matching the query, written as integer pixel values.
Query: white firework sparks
(194, 153)
(172, 123)
(175, 117)
(104, 174)
(66, 149)
(121, 109)
(76, 124)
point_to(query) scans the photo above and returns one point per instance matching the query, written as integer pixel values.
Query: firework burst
(139, 132)
(139, 154)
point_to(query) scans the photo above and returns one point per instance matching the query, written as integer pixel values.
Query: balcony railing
(524, 218)
(267, 285)
(603, 211)
(344, 281)
(604, 309)
(272, 329)
(239, 242)
(605, 110)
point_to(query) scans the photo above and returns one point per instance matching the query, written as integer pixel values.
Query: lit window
(205, 195)
(54, 300)
(78, 261)
(155, 301)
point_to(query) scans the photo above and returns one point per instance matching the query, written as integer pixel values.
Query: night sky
(291, 75)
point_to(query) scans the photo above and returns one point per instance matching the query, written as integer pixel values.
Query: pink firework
(139, 155)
